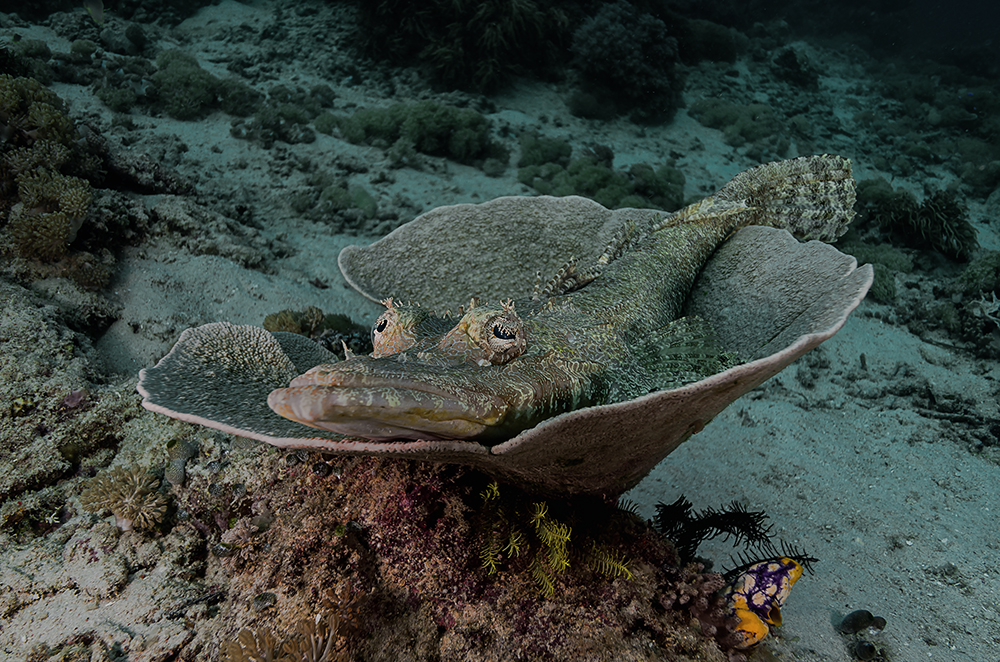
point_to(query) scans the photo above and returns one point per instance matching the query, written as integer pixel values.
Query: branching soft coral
(940, 222)
(132, 495)
(45, 205)
(30, 112)
(50, 212)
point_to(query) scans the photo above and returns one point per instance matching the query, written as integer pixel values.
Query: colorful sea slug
(756, 595)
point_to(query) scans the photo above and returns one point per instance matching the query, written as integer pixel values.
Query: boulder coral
(626, 58)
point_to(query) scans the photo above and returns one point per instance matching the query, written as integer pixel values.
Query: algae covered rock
(186, 91)
(461, 134)
(393, 552)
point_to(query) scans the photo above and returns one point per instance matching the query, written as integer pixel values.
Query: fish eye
(506, 339)
(392, 332)
(503, 332)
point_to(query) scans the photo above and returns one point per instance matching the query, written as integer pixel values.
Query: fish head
(477, 378)
(484, 335)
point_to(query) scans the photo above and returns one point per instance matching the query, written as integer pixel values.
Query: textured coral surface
(394, 547)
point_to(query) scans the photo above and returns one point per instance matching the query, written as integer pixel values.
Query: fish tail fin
(811, 196)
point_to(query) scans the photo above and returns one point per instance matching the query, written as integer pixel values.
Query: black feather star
(688, 528)
(786, 550)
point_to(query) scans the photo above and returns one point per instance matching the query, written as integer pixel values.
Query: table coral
(601, 449)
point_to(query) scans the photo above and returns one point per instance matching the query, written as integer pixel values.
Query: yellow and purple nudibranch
(756, 595)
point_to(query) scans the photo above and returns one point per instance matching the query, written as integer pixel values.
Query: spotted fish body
(606, 333)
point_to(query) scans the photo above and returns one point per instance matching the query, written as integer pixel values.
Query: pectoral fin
(684, 351)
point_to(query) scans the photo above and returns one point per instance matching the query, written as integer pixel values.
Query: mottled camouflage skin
(607, 333)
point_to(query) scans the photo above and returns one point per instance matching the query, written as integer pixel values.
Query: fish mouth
(383, 408)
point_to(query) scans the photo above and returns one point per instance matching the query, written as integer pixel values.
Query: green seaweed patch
(460, 134)
(237, 98)
(286, 114)
(884, 254)
(939, 223)
(118, 99)
(982, 276)
(887, 261)
(186, 91)
(539, 150)
(982, 178)
(123, 81)
(338, 198)
(662, 188)
(326, 122)
(739, 123)
(641, 186)
(273, 122)
(311, 103)
(883, 287)
(82, 49)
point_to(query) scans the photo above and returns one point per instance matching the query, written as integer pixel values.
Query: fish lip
(387, 411)
(386, 399)
(453, 381)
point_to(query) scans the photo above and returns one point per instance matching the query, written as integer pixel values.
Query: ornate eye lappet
(390, 335)
(503, 335)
